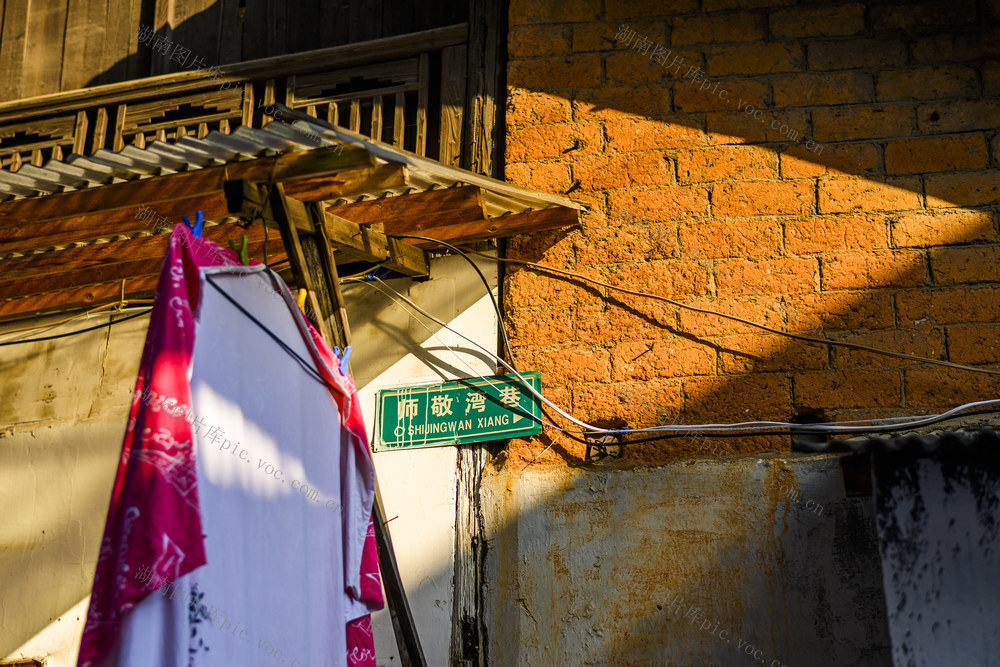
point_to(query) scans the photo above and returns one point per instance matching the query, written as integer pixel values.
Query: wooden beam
(479, 230)
(78, 297)
(150, 191)
(432, 202)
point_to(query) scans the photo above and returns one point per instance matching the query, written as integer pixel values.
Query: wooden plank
(229, 36)
(422, 95)
(376, 132)
(78, 297)
(46, 32)
(355, 122)
(291, 214)
(485, 91)
(86, 21)
(453, 63)
(418, 204)
(80, 132)
(164, 25)
(480, 230)
(100, 130)
(13, 48)
(363, 244)
(117, 140)
(148, 247)
(399, 121)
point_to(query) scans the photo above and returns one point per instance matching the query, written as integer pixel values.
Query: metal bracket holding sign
(460, 412)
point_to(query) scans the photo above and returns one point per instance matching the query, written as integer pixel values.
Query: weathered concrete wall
(63, 408)
(682, 564)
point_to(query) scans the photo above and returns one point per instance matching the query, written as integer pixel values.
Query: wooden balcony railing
(408, 91)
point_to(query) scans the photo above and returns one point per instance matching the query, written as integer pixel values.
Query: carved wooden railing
(408, 91)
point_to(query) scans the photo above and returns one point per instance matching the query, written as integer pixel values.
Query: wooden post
(314, 268)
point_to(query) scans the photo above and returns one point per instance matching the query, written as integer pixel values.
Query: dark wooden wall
(47, 46)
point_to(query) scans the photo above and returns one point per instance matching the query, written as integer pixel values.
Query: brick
(958, 116)
(837, 159)
(921, 343)
(525, 107)
(627, 243)
(922, 14)
(540, 326)
(604, 36)
(920, 230)
(926, 83)
(527, 11)
(643, 319)
(848, 389)
(531, 40)
(837, 311)
(783, 275)
(769, 353)
(676, 357)
(952, 305)
(759, 58)
(972, 43)
(969, 189)
(717, 29)
(540, 176)
(978, 344)
(840, 21)
(671, 279)
(726, 163)
(842, 195)
(602, 172)
(864, 270)
(534, 290)
(633, 67)
(553, 248)
(575, 71)
(732, 200)
(638, 103)
(951, 266)
(711, 239)
(561, 365)
(942, 388)
(661, 203)
(761, 396)
(633, 404)
(821, 234)
(720, 5)
(991, 78)
(707, 324)
(931, 154)
(630, 9)
(857, 54)
(629, 134)
(732, 127)
(553, 141)
(803, 90)
(722, 94)
(869, 122)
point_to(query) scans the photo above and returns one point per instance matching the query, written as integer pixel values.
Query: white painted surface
(418, 486)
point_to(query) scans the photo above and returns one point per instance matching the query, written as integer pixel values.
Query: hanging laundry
(239, 530)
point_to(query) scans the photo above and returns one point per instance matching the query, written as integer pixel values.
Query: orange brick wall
(859, 204)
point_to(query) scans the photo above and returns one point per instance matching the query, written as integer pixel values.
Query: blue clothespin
(336, 350)
(199, 222)
(343, 360)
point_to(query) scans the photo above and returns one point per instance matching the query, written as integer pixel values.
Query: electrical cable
(751, 323)
(111, 321)
(737, 429)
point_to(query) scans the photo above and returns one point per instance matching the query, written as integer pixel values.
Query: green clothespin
(242, 252)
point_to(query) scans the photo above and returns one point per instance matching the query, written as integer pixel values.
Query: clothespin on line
(198, 226)
(301, 299)
(243, 253)
(122, 302)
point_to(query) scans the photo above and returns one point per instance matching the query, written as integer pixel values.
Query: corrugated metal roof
(916, 442)
(217, 148)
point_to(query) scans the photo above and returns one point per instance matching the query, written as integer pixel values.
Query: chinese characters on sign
(459, 412)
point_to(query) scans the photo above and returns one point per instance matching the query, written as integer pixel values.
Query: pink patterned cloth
(154, 515)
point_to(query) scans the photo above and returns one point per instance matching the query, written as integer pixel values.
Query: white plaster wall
(418, 486)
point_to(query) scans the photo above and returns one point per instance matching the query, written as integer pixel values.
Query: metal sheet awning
(83, 231)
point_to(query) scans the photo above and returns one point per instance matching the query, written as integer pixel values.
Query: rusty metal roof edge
(929, 443)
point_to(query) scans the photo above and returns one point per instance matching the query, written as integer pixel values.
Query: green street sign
(453, 413)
